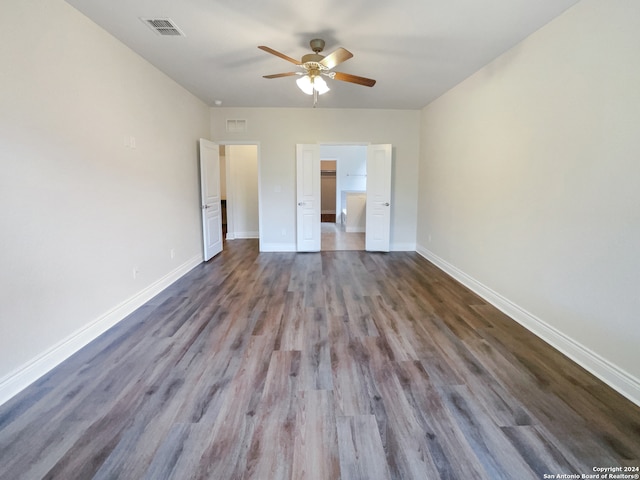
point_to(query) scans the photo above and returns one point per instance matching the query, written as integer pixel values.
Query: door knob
(300, 204)
(386, 204)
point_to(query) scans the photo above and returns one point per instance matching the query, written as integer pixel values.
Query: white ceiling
(415, 49)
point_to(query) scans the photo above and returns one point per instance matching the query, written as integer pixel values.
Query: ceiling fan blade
(278, 54)
(336, 58)
(346, 77)
(278, 75)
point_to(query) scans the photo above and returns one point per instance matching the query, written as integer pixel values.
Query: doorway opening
(343, 174)
(377, 199)
(239, 190)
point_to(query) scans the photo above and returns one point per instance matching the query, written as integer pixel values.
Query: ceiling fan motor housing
(312, 58)
(317, 45)
(311, 61)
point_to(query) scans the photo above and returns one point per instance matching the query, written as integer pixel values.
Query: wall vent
(236, 126)
(163, 26)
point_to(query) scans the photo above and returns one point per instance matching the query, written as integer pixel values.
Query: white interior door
(210, 198)
(308, 198)
(378, 223)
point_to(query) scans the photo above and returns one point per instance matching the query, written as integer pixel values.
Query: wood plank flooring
(334, 365)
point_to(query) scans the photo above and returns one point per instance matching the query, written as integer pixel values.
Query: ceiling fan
(315, 66)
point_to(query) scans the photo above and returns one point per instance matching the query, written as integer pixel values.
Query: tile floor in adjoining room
(334, 237)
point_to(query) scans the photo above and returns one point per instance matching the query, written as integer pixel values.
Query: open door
(308, 198)
(378, 218)
(210, 198)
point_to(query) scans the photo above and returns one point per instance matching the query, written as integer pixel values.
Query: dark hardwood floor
(332, 365)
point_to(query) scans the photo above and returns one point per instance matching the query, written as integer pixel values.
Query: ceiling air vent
(236, 126)
(163, 26)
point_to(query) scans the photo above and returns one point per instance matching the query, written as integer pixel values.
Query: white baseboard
(403, 247)
(278, 247)
(246, 235)
(18, 380)
(355, 229)
(618, 379)
(291, 247)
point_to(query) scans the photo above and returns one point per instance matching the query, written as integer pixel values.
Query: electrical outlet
(172, 253)
(284, 232)
(136, 272)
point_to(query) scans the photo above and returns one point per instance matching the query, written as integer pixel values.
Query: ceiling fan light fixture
(305, 84)
(308, 84)
(320, 85)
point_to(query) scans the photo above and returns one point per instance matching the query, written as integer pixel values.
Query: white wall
(242, 202)
(279, 129)
(80, 207)
(530, 185)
